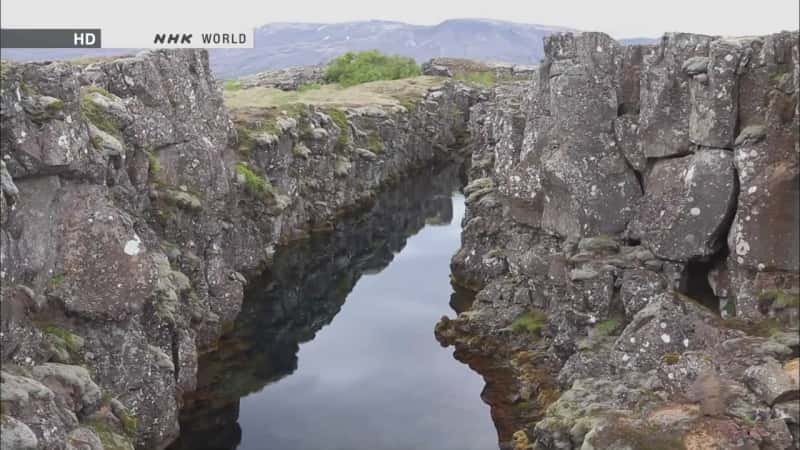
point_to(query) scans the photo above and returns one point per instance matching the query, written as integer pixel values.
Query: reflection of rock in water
(302, 292)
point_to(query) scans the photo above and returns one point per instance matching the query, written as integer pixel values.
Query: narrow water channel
(334, 348)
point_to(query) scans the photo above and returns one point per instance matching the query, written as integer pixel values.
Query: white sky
(620, 18)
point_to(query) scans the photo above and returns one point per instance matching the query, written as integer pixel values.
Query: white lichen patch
(742, 247)
(665, 338)
(695, 211)
(134, 246)
(686, 343)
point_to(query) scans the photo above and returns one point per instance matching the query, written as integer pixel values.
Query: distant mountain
(280, 45)
(290, 44)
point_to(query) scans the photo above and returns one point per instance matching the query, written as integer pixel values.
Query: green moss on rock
(155, 166)
(780, 298)
(606, 327)
(532, 322)
(340, 119)
(375, 142)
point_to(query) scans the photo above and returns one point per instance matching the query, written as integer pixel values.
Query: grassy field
(378, 93)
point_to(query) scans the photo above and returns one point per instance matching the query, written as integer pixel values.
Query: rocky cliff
(133, 212)
(632, 230)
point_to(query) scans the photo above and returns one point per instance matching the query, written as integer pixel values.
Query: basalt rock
(688, 205)
(288, 79)
(642, 239)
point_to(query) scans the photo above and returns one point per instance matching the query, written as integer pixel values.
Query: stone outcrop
(288, 79)
(632, 227)
(462, 67)
(133, 210)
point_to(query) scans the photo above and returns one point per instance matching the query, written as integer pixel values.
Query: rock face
(688, 206)
(632, 226)
(132, 210)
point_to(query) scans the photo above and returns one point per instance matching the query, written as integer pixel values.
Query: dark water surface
(334, 349)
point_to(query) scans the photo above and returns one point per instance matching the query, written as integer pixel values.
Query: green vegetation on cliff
(340, 119)
(486, 79)
(254, 183)
(371, 65)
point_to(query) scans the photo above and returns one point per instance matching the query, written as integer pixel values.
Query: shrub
(371, 65)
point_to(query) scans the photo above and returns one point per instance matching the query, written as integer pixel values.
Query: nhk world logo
(206, 39)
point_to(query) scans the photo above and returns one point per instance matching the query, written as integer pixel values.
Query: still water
(334, 348)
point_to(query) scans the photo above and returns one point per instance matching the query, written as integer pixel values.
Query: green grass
(232, 85)
(370, 65)
(254, 183)
(94, 113)
(308, 87)
(531, 321)
(486, 79)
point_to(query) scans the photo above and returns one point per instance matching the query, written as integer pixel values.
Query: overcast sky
(620, 18)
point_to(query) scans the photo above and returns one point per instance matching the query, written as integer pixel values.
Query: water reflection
(375, 378)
